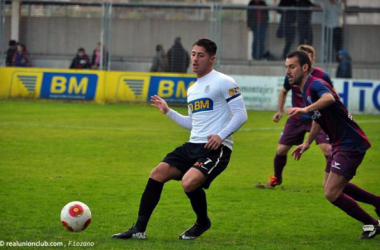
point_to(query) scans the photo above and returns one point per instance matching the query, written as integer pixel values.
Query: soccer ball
(75, 216)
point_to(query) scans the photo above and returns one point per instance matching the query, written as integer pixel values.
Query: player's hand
(159, 103)
(295, 111)
(297, 152)
(213, 142)
(277, 117)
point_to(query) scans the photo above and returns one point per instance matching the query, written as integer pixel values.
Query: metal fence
(128, 33)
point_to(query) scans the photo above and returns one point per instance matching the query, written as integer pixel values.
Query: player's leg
(279, 163)
(326, 149)
(293, 134)
(327, 170)
(343, 168)
(152, 193)
(364, 196)
(323, 142)
(334, 193)
(149, 199)
(325, 180)
(200, 176)
(191, 183)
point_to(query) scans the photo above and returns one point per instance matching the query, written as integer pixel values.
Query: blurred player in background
(215, 111)
(295, 127)
(349, 143)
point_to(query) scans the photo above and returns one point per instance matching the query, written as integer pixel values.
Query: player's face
(294, 71)
(201, 61)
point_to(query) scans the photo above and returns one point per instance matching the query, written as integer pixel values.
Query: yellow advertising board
(93, 86)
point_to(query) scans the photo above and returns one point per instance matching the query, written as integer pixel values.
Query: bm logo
(171, 88)
(203, 104)
(69, 86)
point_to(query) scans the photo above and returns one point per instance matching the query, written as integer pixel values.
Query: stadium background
(54, 30)
(55, 152)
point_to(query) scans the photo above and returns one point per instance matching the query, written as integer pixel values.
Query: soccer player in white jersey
(215, 111)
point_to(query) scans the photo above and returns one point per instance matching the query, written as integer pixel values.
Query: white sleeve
(182, 120)
(239, 117)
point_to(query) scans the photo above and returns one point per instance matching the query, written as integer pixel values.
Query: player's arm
(314, 131)
(326, 100)
(182, 120)
(281, 103)
(239, 117)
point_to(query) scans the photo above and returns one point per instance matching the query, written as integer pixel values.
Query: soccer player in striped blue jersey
(296, 127)
(349, 142)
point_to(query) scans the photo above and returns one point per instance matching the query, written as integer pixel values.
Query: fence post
(109, 34)
(219, 39)
(216, 30)
(102, 24)
(212, 22)
(2, 33)
(323, 39)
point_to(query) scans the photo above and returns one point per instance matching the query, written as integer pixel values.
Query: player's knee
(154, 173)
(190, 184)
(326, 149)
(331, 195)
(282, 150)
(159, 174)
(326, 152)
(281, 153)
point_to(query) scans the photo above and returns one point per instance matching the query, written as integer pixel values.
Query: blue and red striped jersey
(336, 122)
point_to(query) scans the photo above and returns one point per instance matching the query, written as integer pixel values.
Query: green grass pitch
(54, 153)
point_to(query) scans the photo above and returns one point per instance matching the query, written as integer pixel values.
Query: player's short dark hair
(303, 58)
(209, 45)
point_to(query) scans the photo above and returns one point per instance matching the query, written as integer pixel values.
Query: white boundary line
(22, 124)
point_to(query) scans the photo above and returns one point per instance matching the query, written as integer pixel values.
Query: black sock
(199, 204)
(149, 200)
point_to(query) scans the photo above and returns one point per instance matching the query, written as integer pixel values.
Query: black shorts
(210, 162)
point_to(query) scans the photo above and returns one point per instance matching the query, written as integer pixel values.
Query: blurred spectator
(178, 58)
(305, 28)
(97, 57)
(160, 61)
(10, 53)
(334, 23)
(292, 18)
(257, 21)
(81, 60)
(21, 58)
(344, 69)
(287, 26)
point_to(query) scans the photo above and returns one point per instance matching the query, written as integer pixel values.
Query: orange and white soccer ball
(76, 216)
